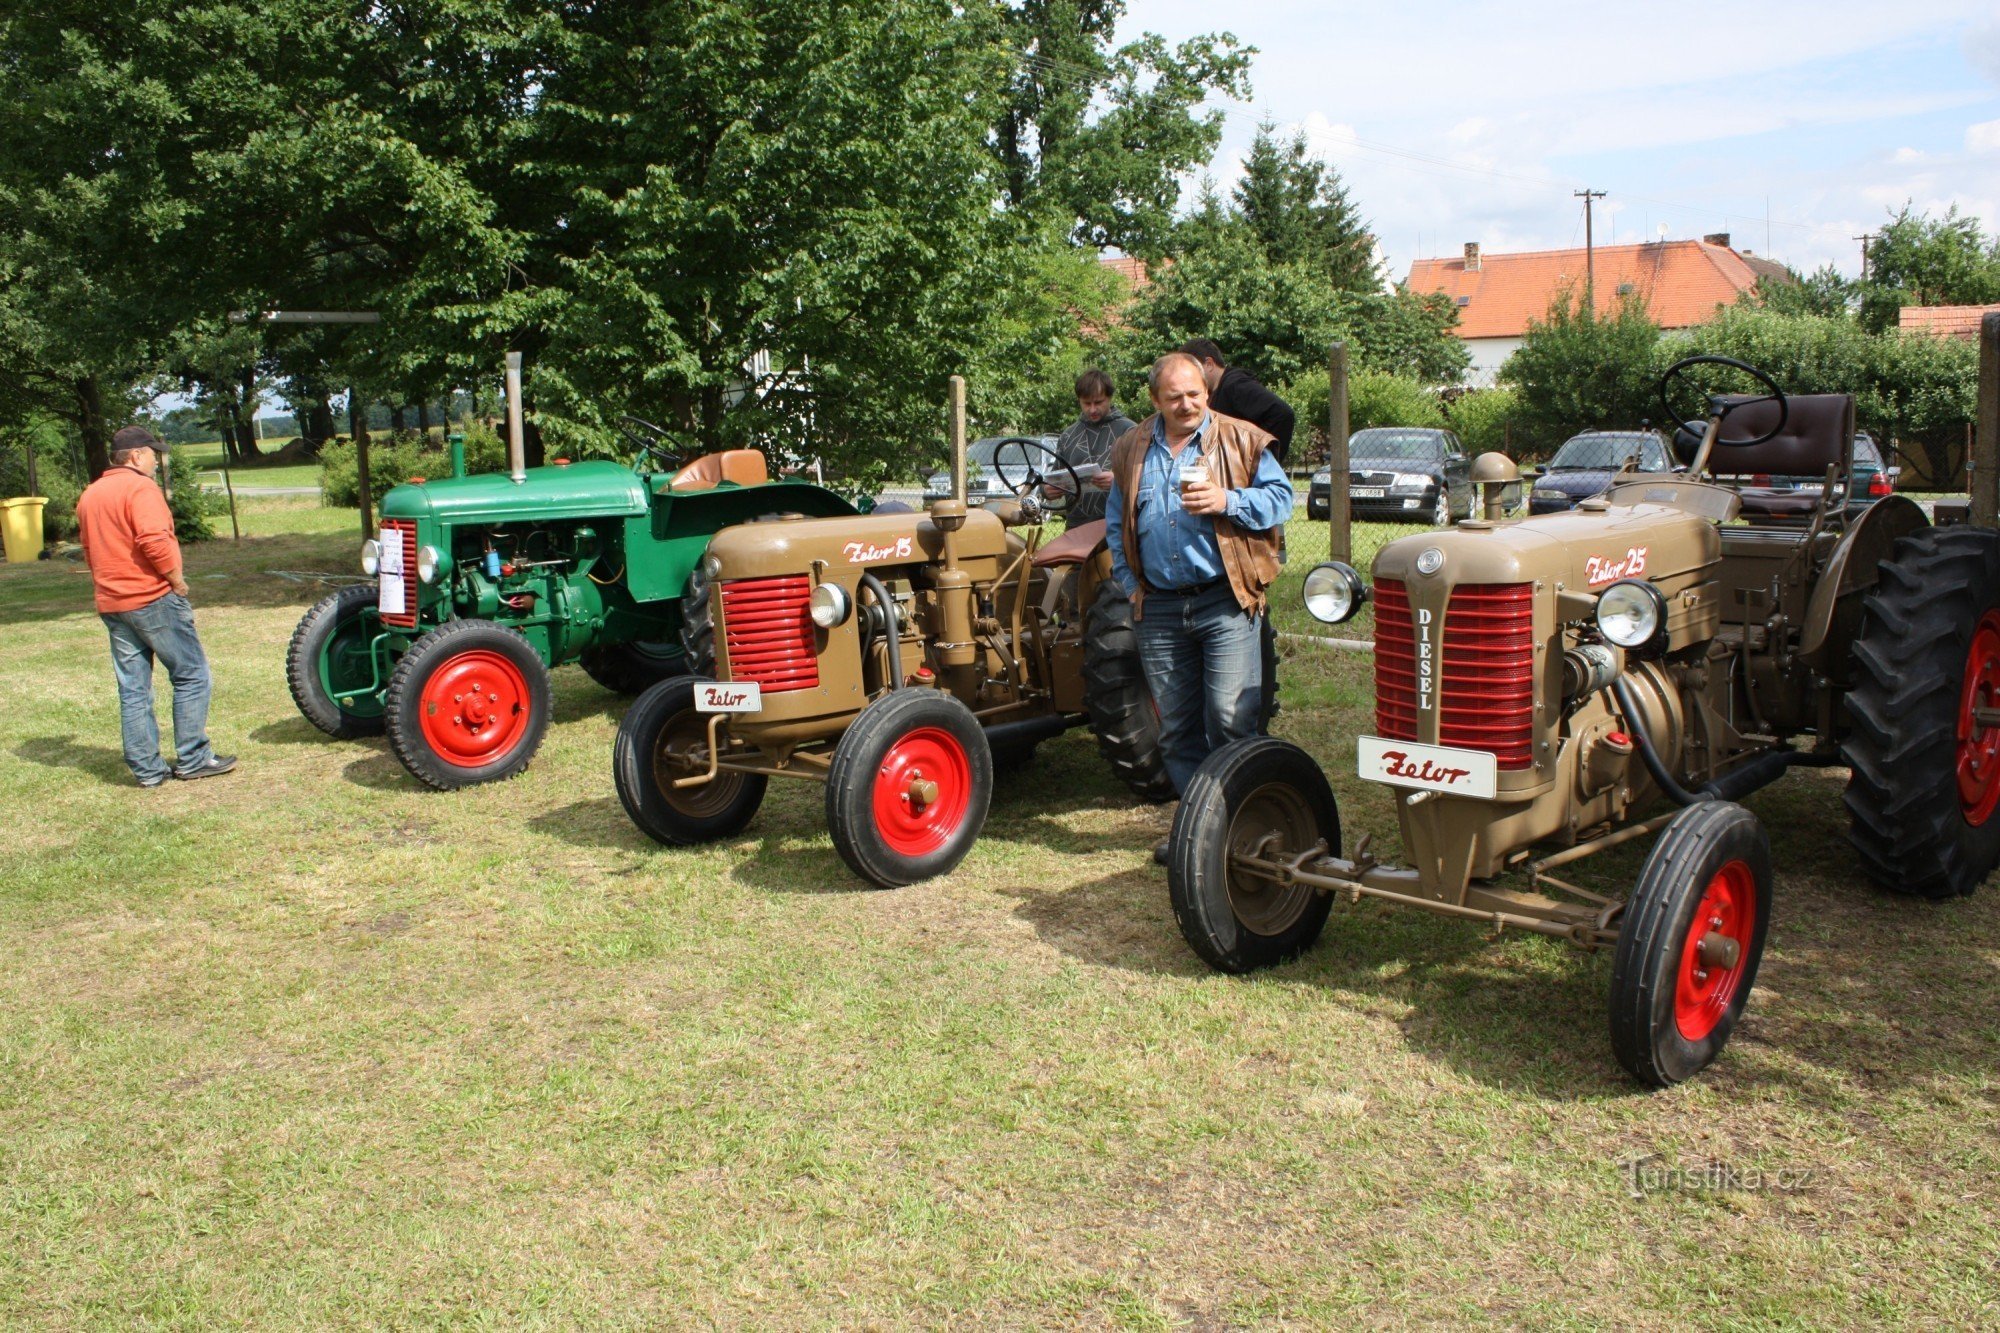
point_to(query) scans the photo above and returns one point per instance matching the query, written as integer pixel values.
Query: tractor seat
(1818, 433)
(1073, 547)
(1778, 504)
(744, 467)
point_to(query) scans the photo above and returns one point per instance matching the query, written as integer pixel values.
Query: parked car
(980, 483)
(1587, 461)
(1872, 478)
(1400, 472)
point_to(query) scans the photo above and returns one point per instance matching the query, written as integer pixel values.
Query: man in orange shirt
(135, 565)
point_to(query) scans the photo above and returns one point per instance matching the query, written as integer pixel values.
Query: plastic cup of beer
(1193, 472)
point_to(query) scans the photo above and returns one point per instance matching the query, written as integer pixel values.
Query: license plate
(1365, 492)
(711, 696)
(1429, 767)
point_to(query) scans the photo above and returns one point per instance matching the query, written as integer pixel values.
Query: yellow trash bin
(21, 525)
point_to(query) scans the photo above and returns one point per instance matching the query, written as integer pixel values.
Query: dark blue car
(1585, 464)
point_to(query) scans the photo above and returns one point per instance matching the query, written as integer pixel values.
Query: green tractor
(482, 584)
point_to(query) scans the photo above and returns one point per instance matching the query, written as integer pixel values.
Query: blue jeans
(1203, 660)
(163, 628)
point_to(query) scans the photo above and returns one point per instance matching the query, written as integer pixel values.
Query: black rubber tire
(431, 653)
(1318, 513)
(1689, 853)
(329, 617)
(865, 752)
(1227, 801)
(698, 627)
(1267, 646)
(632, 668)
(664, 715)
(1905, 818)
(1440, 516)
(1122, 715)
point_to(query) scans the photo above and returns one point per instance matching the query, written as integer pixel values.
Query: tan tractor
(896, 658)
(1544, 686)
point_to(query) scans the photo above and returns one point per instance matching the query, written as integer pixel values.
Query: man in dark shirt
(1236, 393)
(1087, 444)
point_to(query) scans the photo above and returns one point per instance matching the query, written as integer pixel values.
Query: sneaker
(217, 765)
(159, 781)
(1160, 852)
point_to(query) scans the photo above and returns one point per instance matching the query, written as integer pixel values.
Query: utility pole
(1589, 249)
(1865, 239)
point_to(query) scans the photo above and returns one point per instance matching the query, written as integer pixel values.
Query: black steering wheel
(651, 441)
(1717, 406)
(1022, 474)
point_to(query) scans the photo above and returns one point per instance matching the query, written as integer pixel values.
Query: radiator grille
(1485, 683)
(406, 529)
(769, 632)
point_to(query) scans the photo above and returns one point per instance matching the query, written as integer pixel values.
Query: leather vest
(1232, 449)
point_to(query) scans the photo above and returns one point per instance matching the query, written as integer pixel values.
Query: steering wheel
(651, 441)
(1054, 490)
(1716, 406)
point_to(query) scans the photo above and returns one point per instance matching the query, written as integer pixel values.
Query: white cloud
(1907, 155)
(1983, 137)
(1982, 48)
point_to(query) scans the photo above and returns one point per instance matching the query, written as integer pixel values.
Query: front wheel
(907, 791)
(630, 668)
(1255, 800)
(661, 739)
(1691, 941)
(468, 703)
(333, 651)
(1441, 511)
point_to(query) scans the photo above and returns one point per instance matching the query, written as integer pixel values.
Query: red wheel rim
(1711, 969)
(922, 791)
(1979, 747)
(475, 708)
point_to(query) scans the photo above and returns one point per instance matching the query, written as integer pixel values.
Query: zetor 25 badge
(1430, 767)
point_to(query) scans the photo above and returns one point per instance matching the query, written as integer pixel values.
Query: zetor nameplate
(712, 696)
(1431, 767)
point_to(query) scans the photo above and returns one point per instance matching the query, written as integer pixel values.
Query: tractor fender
(1833, 617)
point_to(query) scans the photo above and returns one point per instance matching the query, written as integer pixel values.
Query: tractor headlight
(371, 557)
(830, 605)
(1632, 614)
(428, 560)
(1334, 592)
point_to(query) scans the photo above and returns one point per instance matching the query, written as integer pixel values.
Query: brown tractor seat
(1073, 547)
(744, 467)
(1818, 433)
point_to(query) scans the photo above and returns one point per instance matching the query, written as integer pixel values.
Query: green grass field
(261, 474)
(312, 1045)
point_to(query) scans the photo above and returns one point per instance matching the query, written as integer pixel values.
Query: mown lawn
(313, 1045)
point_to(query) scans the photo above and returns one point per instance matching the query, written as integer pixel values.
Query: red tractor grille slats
(1485, 682)
(407, 530)
(769, 632)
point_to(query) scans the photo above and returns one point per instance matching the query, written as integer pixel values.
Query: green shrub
(1481, 419)
(192, 506)
(389, 466)
(485, 450)
(1378, 399)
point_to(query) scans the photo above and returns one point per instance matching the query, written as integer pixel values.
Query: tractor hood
(792, 543)
(1582, 550)
(569, 490)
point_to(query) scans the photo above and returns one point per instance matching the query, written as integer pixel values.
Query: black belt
(1192, 590)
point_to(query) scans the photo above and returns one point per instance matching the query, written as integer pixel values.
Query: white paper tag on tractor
(1430, 767)
(714, 696)
(393, 599)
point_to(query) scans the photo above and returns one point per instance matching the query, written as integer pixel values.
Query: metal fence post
(1984, 482)
(1340, 536)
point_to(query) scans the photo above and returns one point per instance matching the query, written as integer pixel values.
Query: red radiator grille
(1485, 685)
(407, 530)
(769, 632)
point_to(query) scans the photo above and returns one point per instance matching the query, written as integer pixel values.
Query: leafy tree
(1483, 419)
(1579, 368)
(1920, 260)
(1822, 292)
(1297, 211)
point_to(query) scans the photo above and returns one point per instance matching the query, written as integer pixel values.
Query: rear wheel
(332, 651)
(1925, 782)
(1691, 941)
(1122, 713)
(629, 668)
(661, 739)
(468, 703)
(908, 788)
(698, 627)
(1260, 799)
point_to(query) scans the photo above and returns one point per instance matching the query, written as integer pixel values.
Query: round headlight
(1632, 614)
(371, 557)
(830, 605)
(428, 560)
(1334, 592)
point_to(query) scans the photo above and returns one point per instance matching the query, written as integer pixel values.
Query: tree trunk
(318, 425)
(424, 421)
(246, 417)
(396, 418)
(90, 424)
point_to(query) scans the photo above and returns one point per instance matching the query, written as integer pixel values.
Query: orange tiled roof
(1944, 321)
(1682, 283)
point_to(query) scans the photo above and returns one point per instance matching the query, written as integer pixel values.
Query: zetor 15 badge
(1551, 687)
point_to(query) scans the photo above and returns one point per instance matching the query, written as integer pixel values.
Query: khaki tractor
(898, 659)
(1544, 686)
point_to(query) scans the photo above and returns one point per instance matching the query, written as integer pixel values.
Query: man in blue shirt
(1196, 555)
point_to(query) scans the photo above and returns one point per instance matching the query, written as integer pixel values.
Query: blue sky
(1455, 122)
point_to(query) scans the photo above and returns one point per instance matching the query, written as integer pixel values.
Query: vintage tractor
(897, 658)
(483, 583)
(1541, 685)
